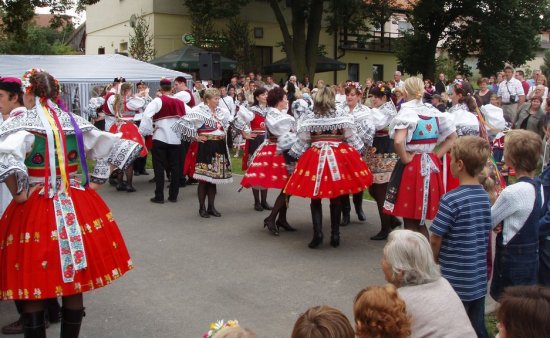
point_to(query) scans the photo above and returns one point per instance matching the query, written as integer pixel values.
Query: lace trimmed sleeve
(94, 105)
(108, 149)
(446, 126)
(243, 119)
(186, 127)
(13, 149)
(405, 119)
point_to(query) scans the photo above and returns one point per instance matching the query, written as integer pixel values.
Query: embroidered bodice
(251, 120)
(201, 120)
(426, 126)
(333, 123)
(24, 141)
(362, 116)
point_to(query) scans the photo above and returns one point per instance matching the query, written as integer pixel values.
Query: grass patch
(491, 324)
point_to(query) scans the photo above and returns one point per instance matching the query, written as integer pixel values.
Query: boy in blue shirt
(460, 230)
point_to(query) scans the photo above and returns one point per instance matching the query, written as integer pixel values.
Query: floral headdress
(215, 327)
(26, 80)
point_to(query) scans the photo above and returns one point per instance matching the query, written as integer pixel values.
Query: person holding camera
(511, 94)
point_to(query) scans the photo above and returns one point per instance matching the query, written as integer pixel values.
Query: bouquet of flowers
(218, 325)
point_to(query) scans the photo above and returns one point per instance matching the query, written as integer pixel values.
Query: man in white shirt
(270, 84)
(511, 94)
(397, 78)
(164, 111)
(227, 102)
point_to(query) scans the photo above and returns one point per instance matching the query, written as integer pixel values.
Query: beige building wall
(108, 26)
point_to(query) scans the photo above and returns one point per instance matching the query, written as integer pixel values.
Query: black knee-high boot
(317, 219)
(70, 322)
(335, 210)
(346, 209)
(257, 204)
(34, 325)
(281, 220)
(358, 203)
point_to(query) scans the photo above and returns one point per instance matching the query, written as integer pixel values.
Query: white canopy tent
(79, 74)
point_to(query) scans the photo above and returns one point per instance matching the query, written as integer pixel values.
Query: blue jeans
(475, 310)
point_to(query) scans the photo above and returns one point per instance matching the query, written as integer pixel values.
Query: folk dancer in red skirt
(382, 158)
(416, 184)
(361, 114)
(125, 107)
(207, 124)
(251, 123)
(157, 120)
(58, 238)
(268, 168)
(330, 163)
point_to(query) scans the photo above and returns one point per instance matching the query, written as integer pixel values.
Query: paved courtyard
(190, 271)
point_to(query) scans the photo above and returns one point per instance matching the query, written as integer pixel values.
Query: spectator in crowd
(399, 97)
(259, 80)
(434, 307)
(460, 231)
(520, 76)
(493, 84)
(519, 207)
(483, 95)
(233, 83)
(270, 84)
(524, 312)
(429, 91)
(380, 312)
(540, 89)
(440, 84)
(534, 78)
(531, 117)
(397, 78)
(511, 94)
(306, 83)
(227, 102)
(437, 101)
(322, 322)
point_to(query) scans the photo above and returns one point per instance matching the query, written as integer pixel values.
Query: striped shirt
(464, 221)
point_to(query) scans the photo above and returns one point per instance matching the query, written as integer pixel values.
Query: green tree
(239, 44)
(39, 40)
(496, 31)
(141, 42)
(545, 67)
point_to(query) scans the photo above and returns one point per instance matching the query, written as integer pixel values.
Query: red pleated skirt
(355, 175)
(190, 159)
(30, 267)
(411, 189)
(452, 182)
(267, 170)
(130, 132)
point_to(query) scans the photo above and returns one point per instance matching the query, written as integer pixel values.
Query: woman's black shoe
(271, 227)
(144, 172)
(360, 214)
(345, 218)
(212, 211)
(266, 206)
(395, 222)
(317, 239)
(284, 225)
(258, 207)
(335, 240)
(155, 200)
(380, 236)
(130, 189)
(121, 187)
(204, 213)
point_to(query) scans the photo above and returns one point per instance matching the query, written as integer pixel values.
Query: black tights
(378, 192)
(205, 189)
(279, 208)
(73, 302)
(414, 225)
(257, 193)
(129, 175)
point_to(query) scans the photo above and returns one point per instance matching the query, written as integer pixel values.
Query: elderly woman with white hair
(434, 306)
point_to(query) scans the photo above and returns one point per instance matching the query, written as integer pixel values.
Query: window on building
(353, 72)
(377, 73)
(101, 50)
(263, 56)
(123, 47)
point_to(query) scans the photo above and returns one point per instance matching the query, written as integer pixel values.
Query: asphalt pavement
(190, 271)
